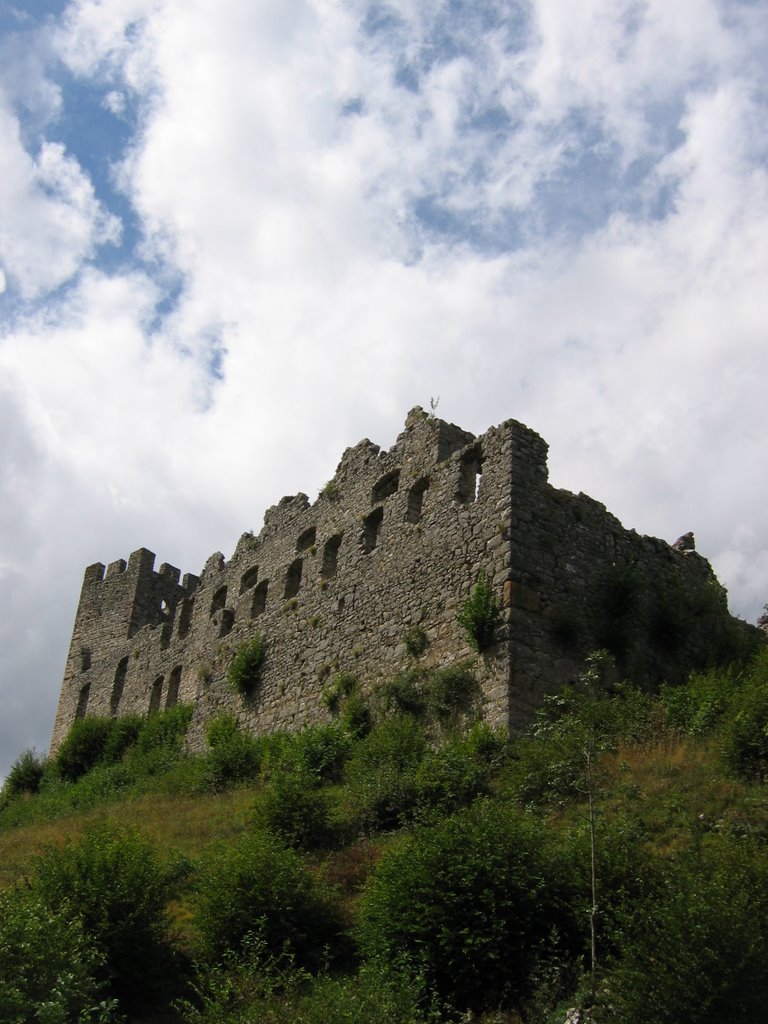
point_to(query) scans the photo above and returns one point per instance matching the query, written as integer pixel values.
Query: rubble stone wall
(396, 539)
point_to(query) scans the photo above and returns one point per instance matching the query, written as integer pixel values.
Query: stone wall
(396, 539)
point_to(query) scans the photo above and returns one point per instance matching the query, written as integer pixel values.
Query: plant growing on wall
(245, 668)
(480, 615)
(416, 641)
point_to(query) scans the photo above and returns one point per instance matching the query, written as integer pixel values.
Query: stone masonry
(398, 539)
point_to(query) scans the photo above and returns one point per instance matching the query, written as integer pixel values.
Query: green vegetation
(245, 669)
(415, 641)
(481, 616)
(422, 869)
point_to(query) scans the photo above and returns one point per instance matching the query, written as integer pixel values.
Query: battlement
(395, 539)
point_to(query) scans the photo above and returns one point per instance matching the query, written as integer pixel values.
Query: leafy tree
(25, 775)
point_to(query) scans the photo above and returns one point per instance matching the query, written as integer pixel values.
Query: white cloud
(277, 171)
(50, 220)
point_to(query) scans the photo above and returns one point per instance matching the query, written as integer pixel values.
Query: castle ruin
(397, 539)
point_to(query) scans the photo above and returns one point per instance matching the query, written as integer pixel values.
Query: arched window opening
(470, 473)
(386, 486)
(416, 500)
(371, 530)
(307, 539)
(330, 557)
(185, 616)
(259, 604)
(293, 578)
(219, 600)
(174, 683)
(249, 579)
(156, 696)
(118, 685)
(82, 701)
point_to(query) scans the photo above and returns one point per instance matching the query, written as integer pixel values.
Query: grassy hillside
(402, 864)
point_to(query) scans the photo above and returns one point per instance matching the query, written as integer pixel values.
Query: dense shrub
(85, 746)
(48, 965)
(439, 694)
(164, 730)
(473, 905)
(380, 773)
(151, 743)
(113, 881)
(245, 669)
(293, 807)
(700, 952)
(702, 703)
(481, 616)
(260, 889)
(261, 989)
(745, 732)
(321, 751)
(446, 779)
(233, 757)
(25, 775)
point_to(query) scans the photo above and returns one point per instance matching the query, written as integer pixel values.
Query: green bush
(293, 807)
(150, 743)
(440, 693)
(698, 952)
(245, 669)
(745, 731)
(481, 616)
(702, 703)
(113, 881)
(416, 641)
(380, 775)
(49, 968)
(85, 746)
(356, 716)
(234, 756)
(447, 779)
(450, 690)
(164, 730)
(321, 751)
(474, 905)
(259, 891)
(25, 775)
(258, 988)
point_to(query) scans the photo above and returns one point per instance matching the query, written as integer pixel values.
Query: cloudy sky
(237, 237)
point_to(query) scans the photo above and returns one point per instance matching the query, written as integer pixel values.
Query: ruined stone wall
(395, 539)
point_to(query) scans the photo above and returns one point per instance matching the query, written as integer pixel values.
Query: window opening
(330, 557)
(293, 578)
(306, 540)
(371, 530)
(259, 599)
(470, 474)
(249, 579)
(416, 500)
(117, 686)
(174, 683)
(185, 616)
(156, 695)
(85, 659)
(82, 701)
(227, 622)
(386, 486)
(219, 600)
